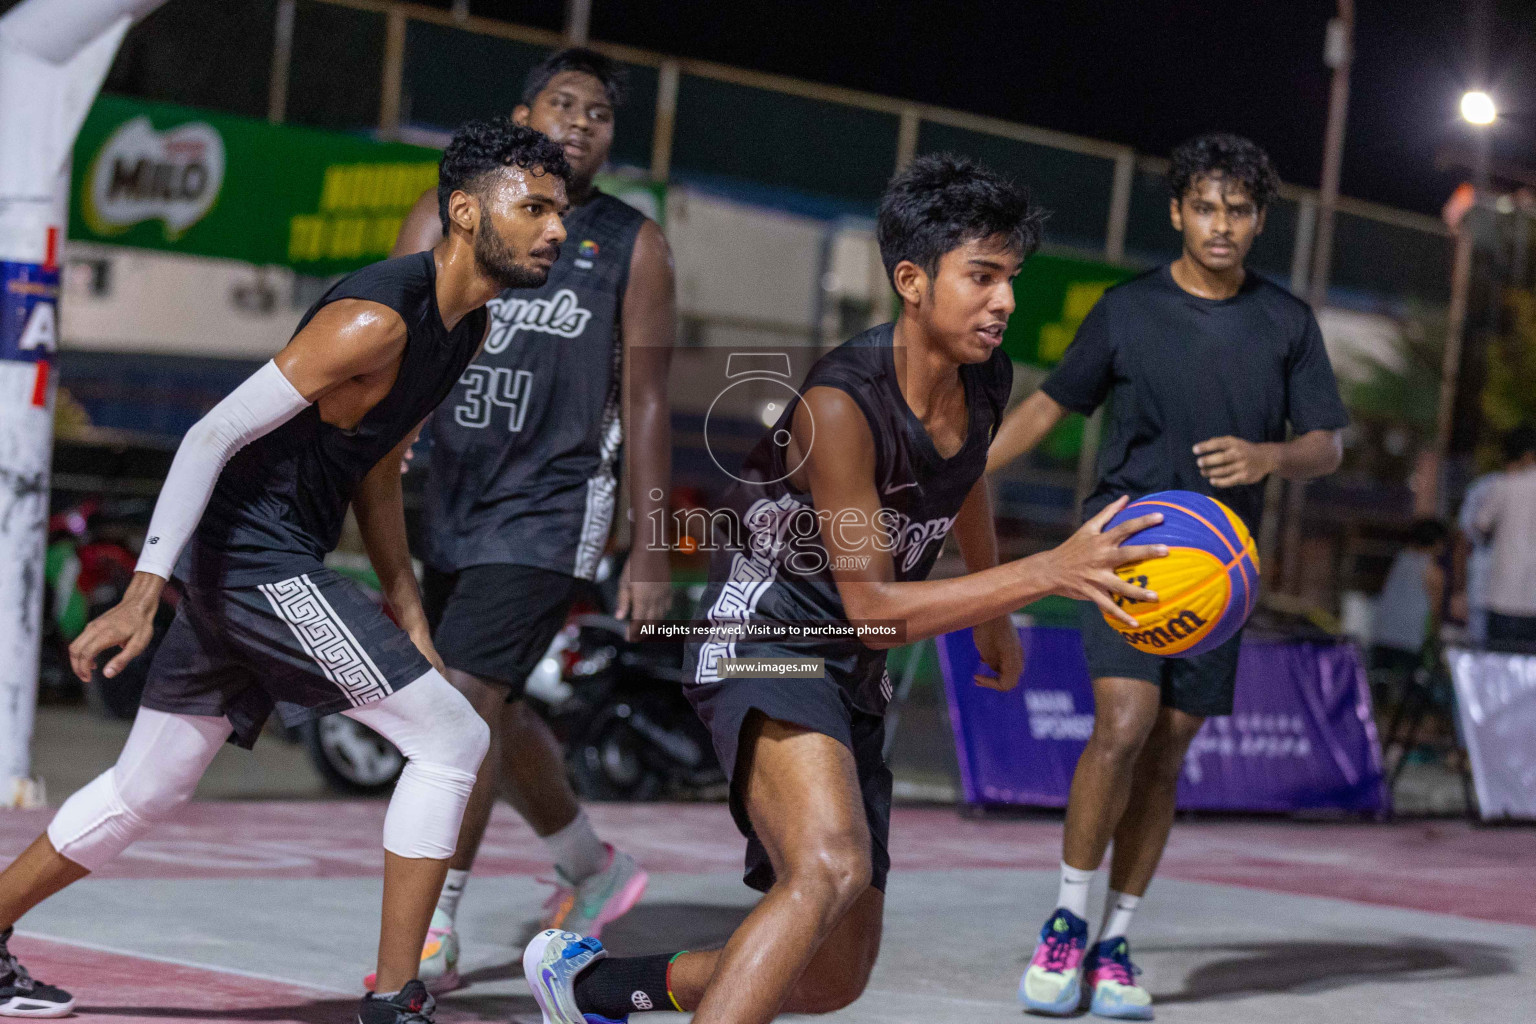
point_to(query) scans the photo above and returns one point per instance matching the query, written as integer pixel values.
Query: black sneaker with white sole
(23, 996)
(411, 1005)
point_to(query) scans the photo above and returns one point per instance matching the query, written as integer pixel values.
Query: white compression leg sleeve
(156, 773)
(443, 740)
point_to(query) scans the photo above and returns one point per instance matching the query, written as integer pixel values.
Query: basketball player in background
(521, 491)
(901, 418)
(255, 499)
(1204, 365)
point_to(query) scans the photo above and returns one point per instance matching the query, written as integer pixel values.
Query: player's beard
(494, 259)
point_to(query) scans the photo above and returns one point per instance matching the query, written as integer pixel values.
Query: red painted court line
(122, 989)
(1441, 867)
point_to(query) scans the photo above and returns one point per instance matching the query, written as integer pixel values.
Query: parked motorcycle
(629, 732)
(86, 571)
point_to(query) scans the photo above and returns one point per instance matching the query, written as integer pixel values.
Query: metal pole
(392, 84)
(666, 117)
(578, 21)
(282, 61)
(1120, 206)
(906, 136)
(53, 57)
(1461, 266)
(1338, 52)
(1450, 367)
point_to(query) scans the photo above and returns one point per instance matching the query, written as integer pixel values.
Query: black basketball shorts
(307, 646)
(1203, 685)
(819, 705)
(496, 621)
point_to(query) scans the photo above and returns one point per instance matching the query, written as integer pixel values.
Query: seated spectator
(1407, 601)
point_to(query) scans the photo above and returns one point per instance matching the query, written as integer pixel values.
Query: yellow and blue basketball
(1207, 585)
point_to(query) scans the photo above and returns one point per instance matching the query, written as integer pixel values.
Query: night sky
(1140, 72)
(1148, 73)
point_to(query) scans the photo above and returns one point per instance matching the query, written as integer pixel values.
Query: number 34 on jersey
(490, 388)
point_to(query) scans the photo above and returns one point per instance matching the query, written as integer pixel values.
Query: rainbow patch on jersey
(588, 249)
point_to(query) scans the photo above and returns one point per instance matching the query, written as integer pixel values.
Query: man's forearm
(380, 509)
(1313, 454)
(929, 608)
(649, 471)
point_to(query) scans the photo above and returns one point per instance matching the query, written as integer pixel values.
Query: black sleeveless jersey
(278, 506)
(772, 566)
(525, 451)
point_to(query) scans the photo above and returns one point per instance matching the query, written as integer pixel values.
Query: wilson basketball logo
(1207, 585)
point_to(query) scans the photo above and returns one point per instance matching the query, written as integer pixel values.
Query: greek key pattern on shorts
(326, 639)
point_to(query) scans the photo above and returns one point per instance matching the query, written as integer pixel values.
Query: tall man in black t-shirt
(1203, 365)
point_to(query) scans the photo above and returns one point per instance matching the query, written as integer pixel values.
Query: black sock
(616, 987)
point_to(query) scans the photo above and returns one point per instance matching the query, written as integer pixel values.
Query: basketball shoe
(1111, 977)
(1053, 982)
(439, 969)
(584, 907)
(21, 995)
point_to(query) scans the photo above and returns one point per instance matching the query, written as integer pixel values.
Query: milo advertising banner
(158, 176)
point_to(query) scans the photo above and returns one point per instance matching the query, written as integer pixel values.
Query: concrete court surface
(267, 912)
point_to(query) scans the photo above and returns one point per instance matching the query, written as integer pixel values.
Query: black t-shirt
(1179, 369)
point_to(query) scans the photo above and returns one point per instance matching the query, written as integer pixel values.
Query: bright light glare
(1477, 107)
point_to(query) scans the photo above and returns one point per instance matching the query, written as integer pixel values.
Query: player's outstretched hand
(1083, 567)
(998, 643)
(130, 624)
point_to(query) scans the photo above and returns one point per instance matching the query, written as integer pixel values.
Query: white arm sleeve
(264, 402)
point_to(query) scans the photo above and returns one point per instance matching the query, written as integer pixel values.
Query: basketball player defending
(1205, 365)
(255, 497)
(520, 494)
(859, 483)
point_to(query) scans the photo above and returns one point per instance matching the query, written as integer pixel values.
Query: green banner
(159, 176)
(1053, 294)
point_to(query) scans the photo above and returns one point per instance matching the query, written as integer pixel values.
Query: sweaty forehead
(513, 183)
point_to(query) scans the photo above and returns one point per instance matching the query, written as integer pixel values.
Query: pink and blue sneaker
(1053, 982)
(1111, 977)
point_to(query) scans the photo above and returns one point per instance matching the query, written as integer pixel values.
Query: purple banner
(1301, 736)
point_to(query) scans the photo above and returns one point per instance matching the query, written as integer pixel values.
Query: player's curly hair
(480, 147)
(941, 201)
(613, 75)
(1233, 157)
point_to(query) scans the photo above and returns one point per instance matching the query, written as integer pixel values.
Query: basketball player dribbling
(1220, 431)
(869, 471)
